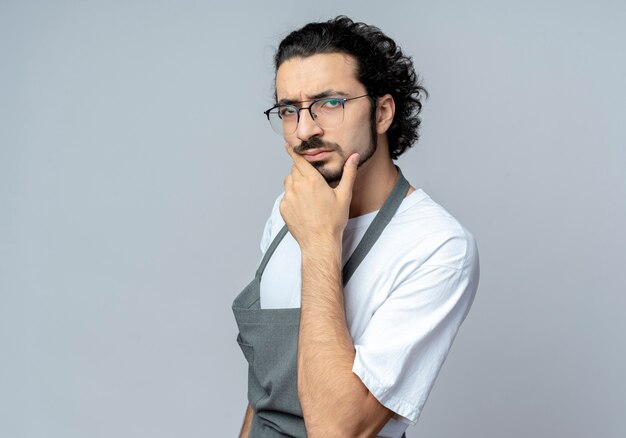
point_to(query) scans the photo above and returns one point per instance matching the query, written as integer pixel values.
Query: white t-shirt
(404, 303)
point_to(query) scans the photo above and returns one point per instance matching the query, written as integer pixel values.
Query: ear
(385, 110)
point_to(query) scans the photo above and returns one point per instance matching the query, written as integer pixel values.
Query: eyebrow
(320, 95)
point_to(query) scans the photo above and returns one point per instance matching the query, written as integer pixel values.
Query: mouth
(316, 154)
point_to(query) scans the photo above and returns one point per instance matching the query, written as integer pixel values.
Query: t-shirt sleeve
(403, 347)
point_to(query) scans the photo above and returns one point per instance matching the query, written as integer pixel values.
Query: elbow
(344, 423)
(337, 430)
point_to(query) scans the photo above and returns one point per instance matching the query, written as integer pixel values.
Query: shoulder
(428, 235)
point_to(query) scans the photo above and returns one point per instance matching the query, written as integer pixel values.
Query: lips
(316, 154)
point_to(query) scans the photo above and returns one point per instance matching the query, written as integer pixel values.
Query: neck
(374, 181)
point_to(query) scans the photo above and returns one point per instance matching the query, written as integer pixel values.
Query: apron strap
(270, 250)
(377, 226)
(370, 237)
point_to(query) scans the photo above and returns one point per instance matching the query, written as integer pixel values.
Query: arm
(334, 400)
(245, 428)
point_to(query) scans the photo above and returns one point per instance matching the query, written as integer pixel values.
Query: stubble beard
(333, 177)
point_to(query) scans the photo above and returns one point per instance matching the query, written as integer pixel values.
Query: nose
(307, 128)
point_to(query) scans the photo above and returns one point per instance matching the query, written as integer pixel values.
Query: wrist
(321, 245)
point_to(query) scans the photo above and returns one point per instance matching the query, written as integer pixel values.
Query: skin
(247, 420)
(334, 400)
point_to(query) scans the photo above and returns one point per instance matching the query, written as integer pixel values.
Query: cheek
(360, 127)
(291, 139)
(360, 137)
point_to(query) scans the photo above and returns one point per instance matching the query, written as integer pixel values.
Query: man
(365, 280)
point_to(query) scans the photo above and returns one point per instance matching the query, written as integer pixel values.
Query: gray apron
(269, 337)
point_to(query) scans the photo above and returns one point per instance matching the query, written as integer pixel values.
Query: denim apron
(269, 337)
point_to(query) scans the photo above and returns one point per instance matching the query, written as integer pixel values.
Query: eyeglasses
(326, 113)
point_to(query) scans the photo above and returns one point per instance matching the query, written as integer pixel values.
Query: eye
(330, 103)
(287, 111)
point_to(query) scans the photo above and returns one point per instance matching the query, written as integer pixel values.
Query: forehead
(300, 78)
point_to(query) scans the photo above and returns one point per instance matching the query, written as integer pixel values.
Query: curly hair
(381, 67)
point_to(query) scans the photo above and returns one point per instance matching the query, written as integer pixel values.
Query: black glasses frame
(343, 101)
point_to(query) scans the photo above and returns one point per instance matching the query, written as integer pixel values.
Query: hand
(312, 210)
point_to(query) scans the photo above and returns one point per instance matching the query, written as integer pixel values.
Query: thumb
(349, 175)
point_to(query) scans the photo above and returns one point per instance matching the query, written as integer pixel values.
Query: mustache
(315, 143)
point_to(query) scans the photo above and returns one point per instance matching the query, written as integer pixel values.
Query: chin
(332, 176)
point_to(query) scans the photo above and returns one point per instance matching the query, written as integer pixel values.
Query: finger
(344, 189)
(303, 166)
(282, 208)
(291, 153)
(295, 173)
(288, 182)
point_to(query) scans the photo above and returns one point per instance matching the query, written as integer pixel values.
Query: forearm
(247, 420)
(323, 327)
(333, 398)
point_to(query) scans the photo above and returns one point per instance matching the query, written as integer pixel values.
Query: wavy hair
(381, 67)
